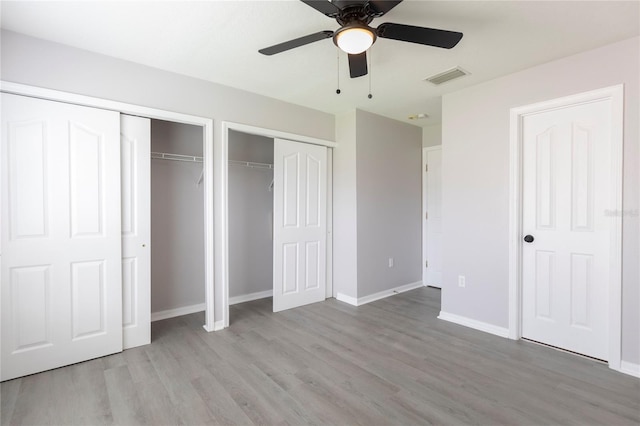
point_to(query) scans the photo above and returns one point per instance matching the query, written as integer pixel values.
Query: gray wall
(377, 193)
(250, 216)
(177, 218)
(36, 62)
(476, 180)
(389, 157)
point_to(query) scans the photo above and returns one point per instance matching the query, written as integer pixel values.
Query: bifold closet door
(135, 139)
(300, 224)
(61, 246)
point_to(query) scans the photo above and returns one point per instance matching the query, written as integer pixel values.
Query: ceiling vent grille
(447, 75)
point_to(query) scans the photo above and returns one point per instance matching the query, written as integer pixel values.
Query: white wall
(432, 135)
(389, 186)
(345, 225)
(475, 144)
(177, 219)
(36, 62)
(250, 216)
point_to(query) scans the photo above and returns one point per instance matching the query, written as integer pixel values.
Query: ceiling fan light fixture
(354, 38)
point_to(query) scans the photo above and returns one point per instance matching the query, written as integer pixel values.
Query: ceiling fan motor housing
(354, 18)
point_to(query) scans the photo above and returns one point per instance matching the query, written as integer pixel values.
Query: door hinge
(426, 167)
(426, 215)
(426, 263)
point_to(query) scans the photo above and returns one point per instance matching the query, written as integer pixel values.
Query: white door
(135, 140)
(61, 255)
(566, 181)
(432, 244)
(300, 224)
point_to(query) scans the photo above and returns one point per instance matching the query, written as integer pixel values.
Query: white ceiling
(219, 41)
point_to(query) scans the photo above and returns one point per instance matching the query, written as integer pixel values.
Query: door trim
(126, 108)
(221, 196)
(425, 206)
(616, 95)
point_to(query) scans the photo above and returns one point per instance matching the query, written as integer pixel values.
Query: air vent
(447, 75)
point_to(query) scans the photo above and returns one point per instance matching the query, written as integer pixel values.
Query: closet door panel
(60, 233)
(27, 146)
(300, 224)
(87, 187)
(135, 140)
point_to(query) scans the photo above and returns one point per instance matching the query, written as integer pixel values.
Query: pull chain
(338, 75)
(370, 72)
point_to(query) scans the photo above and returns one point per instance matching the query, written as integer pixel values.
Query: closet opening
(177, 219)
(250, 186)
(274, 216)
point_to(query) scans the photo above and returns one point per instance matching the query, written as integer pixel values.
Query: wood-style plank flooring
(390, 362)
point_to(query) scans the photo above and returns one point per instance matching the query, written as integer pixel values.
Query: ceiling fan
(355, 35)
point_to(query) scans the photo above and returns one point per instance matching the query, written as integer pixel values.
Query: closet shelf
(176, 157)
(250, 164)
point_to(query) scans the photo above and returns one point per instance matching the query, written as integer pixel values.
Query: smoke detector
(448, 75)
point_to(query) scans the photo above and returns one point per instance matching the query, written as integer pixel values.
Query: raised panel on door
(582, 277)
(60, 272)
(291, 190)
(565, 271)
(135, 140)
(30, 307)
(300, 215)
(86, 166)
(545, 275)
(88, 298)
(28, 202)
(313, 192)
(582, 179)
(545, 177)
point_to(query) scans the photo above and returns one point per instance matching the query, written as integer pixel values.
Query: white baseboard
(630, 368)
(177, 312)
(477, 325)
(249, 297)
(347, 299)
(377, 296)
(218, 325)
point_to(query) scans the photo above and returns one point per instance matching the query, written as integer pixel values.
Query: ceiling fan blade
(380, 7)
(323, 6)
(429, 36)
(297, 42)
(358, 65)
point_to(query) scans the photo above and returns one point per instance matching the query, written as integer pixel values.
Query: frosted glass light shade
(355, 40)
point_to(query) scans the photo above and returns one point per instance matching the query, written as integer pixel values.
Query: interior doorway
(432, 216)
(222, 258)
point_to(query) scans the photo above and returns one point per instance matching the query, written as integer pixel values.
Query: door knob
(528, 238)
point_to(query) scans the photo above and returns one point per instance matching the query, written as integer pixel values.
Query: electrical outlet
(391, 262)
(461, 281)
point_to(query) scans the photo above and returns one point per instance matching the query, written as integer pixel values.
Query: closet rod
(176, 157)
(250, 164)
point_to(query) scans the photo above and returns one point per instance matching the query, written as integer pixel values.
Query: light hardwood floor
(390, 362)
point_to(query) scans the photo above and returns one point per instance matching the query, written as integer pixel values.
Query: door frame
(153, 113)
(425, 206)
(615, 94)
(221, 194)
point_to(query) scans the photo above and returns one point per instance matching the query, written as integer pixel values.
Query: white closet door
(61, 256)
(300, 224)
(135, 139)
